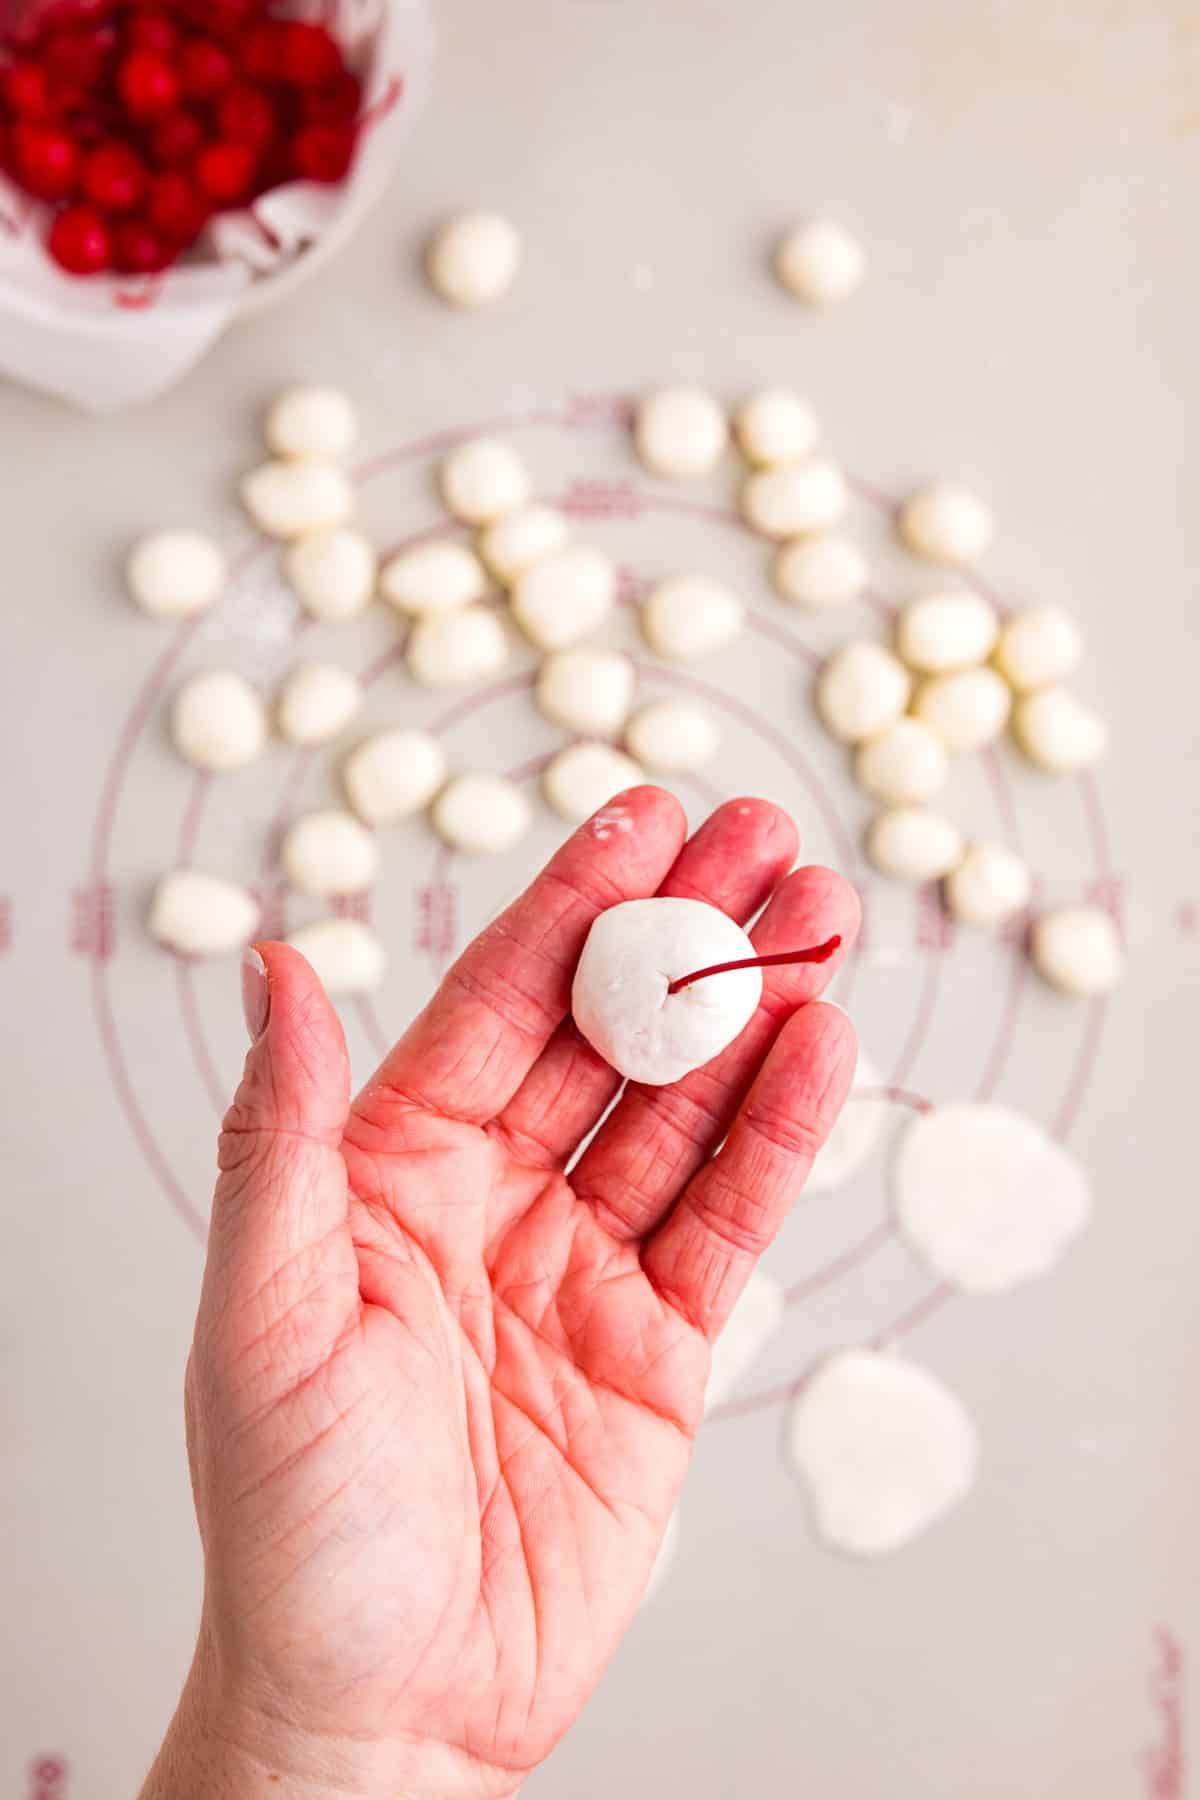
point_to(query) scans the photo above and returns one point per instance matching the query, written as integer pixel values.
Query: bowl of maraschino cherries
(132, 126)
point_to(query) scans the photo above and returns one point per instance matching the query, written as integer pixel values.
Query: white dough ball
(393, 774)
(687, 616)
(1078, 950)
(201, 915)
(795, 498)
(823, 569)
(473, 258)
(482, 814)
(986, 1197)
(311, 422)
(884, 1450)
(484, 479)
(680, 432)
(968, 709)
(565, 596)
(329, 852)
(333, 573)
(588, 691)
(218, 721)
(584, 777)
(448, 649)
(855, 1135)
(906, 764)
(1058, 732)
(672, 737)
(946, 523)
(989, 886)
(345, 954)
(776, 426)
(316, 701)
(514, 543)
(944, 631)
(819, 262)
(291, 499)
(911, 843)
(861, 690)
(1040, 645)
(751, 1325)
(433, 578)
(619, 997)
(175, 574)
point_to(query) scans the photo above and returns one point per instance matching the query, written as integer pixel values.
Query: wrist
(219, 1747)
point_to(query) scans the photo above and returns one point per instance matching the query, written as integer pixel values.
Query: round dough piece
(201, 915)
(856, 1132)
(484, 479)
(1040, 645)
(175, 574)
(316, 701)
(482, 814)
(329, 852)
(619, 996)
(861, 690)
(823, 569)
(473, 258)
(672, 737)
(345, 954)
(1058, 732)
(514, 543)
(911, 843)
(291, 499)
(687, 616)
(820, 262)
(680, 432)
(565, 597)
(799, 497)
(753, 1322)
(946, 523)
(584, 777)
(333, 573)
(985, 1197)
(393, 774)
(218, 721)
(588, 691)
(448, 649)
(884, 1450)
(311, 422)
(990, 885)
(968, 709)
(663, 1562)
(1078, 950)
(905, 765)
(776, 426)
(433, 578)
(940, 632)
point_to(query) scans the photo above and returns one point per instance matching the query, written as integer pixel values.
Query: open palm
(443, 1392)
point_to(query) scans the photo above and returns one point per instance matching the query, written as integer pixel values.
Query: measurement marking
(92, 929)
(876, 1238)
(913, 1315)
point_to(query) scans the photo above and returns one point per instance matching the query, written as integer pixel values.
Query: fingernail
(256, 996)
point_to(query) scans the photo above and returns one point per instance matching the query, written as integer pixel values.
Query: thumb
(281, 1197)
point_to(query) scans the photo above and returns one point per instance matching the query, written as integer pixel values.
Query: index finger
(467, 1053)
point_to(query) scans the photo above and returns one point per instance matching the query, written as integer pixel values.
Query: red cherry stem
(819, 953)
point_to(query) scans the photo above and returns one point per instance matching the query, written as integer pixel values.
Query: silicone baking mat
(1021, 179)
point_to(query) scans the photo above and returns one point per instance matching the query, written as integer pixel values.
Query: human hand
(443, 1393)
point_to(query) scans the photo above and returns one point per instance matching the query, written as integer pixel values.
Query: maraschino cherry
(140, 119)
